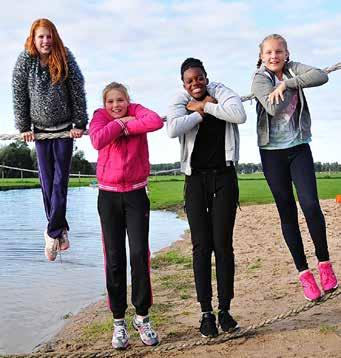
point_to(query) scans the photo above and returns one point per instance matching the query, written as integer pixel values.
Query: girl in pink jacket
(119, 133)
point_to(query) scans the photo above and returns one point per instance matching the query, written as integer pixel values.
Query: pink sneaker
(327, 277)
(310, 289)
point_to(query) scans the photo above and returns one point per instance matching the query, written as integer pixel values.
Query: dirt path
(266, 284)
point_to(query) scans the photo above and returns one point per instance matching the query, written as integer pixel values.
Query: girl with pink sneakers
(284, 133)
(119, 133)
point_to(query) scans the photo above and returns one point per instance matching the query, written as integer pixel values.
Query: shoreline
(265, 285)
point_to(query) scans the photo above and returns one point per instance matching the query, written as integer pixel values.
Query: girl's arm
(145, 121)
(229, 106)
(262, 87)
(21, 100)
(104, 131)
(179, 122)
(305, 76)
(75, 82)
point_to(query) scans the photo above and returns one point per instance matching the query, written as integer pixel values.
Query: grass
(255, 265)
(326, 328)
(166, 192)
(172, 257)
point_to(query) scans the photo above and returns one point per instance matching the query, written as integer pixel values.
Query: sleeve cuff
(123, 126)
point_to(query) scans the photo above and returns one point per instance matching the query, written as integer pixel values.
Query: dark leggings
(281, 168)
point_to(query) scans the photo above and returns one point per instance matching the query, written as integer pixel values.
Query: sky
(143, 43)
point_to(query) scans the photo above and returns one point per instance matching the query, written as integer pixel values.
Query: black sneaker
(226, 322)
(208, 327)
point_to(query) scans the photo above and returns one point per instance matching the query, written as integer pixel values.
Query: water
(36, 294)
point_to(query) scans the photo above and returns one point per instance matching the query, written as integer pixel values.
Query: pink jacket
(123, 159)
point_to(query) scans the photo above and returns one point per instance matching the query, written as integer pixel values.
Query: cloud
(143, 43)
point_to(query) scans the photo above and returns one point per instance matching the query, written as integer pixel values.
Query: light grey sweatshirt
(185, 125)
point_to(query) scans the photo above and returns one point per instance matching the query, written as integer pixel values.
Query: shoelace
(120, 332)
(147, 329)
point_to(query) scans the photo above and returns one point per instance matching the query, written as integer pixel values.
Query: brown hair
(270, 37)
(57, 61)
(115, 86)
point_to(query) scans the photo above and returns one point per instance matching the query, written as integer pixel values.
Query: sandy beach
(266, 285)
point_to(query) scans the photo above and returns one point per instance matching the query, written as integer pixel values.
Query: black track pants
(211, 200)
(120, 213)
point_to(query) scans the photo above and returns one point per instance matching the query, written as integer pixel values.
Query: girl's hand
(210, 99)
(195, 106)
(127, 119)
(27, 136)
(277, 94)
(76, 133)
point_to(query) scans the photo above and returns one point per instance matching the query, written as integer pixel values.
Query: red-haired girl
(49, 97)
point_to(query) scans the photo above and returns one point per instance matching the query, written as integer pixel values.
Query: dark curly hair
(190, 63)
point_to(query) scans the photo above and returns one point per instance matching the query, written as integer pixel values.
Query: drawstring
(205, 190)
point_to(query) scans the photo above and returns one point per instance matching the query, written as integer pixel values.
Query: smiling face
(116, 103)
(43, 41)
(274, 55)
(195, 82)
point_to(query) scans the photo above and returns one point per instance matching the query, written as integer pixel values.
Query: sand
(266, 284)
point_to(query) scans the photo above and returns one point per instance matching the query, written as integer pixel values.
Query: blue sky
(143, 43)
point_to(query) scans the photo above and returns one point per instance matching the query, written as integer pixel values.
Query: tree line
(248, 168)
(18, 154)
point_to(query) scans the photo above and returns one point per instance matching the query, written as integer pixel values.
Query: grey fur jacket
(37, 102)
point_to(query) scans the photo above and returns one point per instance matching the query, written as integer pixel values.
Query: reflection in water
(35, 294)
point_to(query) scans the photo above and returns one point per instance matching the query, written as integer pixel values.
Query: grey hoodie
(299, 76)
(185, 125)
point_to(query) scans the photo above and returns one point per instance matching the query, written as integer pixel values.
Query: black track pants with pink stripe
(122, 213)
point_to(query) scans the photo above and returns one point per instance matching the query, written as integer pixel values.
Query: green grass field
(167, 191)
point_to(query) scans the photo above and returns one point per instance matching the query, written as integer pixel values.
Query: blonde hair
(57, 62)
(115, 86)
(271, 37)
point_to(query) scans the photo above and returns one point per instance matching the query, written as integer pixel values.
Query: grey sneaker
(64, 242)
(147, 334)
(51, 247)
(120, 337)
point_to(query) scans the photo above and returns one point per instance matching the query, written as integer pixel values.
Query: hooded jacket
(185, 125)
(123, 158)
(299, 76)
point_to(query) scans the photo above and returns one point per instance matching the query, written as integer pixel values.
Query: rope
(66, 134)
(192, 343)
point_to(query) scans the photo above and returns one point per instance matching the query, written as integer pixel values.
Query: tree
(16, 154)
(80, 165)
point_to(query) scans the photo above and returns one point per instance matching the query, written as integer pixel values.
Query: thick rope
(192, 343)
(40, 136)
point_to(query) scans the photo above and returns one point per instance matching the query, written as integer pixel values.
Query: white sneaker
(64, 242)
(120, 337)
(148, 336)
(51, 247)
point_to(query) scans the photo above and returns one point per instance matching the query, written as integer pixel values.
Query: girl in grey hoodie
(205, 117)
(283, 128)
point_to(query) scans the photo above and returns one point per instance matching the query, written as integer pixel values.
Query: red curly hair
(57, 61)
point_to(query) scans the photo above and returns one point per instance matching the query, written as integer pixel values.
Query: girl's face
(195, 82)
(116, 104)
(274, 54)
(43, 41)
